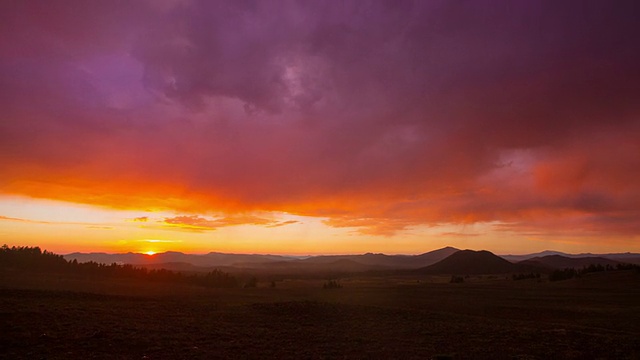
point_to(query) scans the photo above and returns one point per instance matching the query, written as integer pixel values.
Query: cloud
(160, 241)
(456, 234)
(141, 219)
(199, 223)
(382, 226)
(7, 218)
(192, 222)
(283, 223)
(31, 221)
(376, 115)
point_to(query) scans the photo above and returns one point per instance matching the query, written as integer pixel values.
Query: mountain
(388, 261)
(561, 262)
(223, 259)
(333, 264)
(471, 262)
(519, 258)
(447, 260)
(621, 257)
(362, 262)
(365, 259)
(434, 256)
(206, 260)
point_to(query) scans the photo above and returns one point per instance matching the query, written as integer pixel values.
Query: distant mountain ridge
(390, 261)
(621, 257)
(204, 260)
(361, 262)
(447, 260)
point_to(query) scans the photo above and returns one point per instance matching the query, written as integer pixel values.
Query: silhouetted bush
(331, 284)
(525, 276)
(564, 274)
(456, 279)
(592, 268)
(627, 267)
(215, 279)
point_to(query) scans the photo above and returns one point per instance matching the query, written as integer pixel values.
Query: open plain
(486, 317)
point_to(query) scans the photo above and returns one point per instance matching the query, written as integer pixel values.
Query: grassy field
(54, 317)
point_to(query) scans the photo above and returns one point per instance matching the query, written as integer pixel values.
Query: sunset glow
(319, 127)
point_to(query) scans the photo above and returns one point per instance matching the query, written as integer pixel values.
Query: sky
(320, 127)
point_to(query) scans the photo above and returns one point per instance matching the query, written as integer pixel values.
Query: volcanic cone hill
(471, 262)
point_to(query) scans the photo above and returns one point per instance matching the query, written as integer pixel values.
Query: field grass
(54, 317)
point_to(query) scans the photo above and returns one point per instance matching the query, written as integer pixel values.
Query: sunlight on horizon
(66, 227)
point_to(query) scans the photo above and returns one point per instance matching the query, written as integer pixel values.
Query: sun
(150, 252)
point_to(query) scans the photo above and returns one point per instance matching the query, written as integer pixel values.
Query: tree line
(570, 273)
(33, 259)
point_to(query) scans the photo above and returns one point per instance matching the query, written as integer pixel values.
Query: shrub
(331, 284)
(565, 274)
(526, 276)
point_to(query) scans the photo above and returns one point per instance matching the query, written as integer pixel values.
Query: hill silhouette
(627, 257)
(388, 261)
(434, 256)
(178, 261)
(346, 264)
(471, 262)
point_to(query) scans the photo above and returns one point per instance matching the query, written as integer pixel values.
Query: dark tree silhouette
(32, 259)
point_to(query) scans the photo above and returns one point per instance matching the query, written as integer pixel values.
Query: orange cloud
(199, 223)
(7, 218)
(283, 223)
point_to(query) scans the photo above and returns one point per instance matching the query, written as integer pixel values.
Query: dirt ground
(51, 317)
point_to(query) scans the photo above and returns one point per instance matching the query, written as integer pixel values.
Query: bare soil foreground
(485, 317)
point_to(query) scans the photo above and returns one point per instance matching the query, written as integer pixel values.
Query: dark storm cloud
(379, 115)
